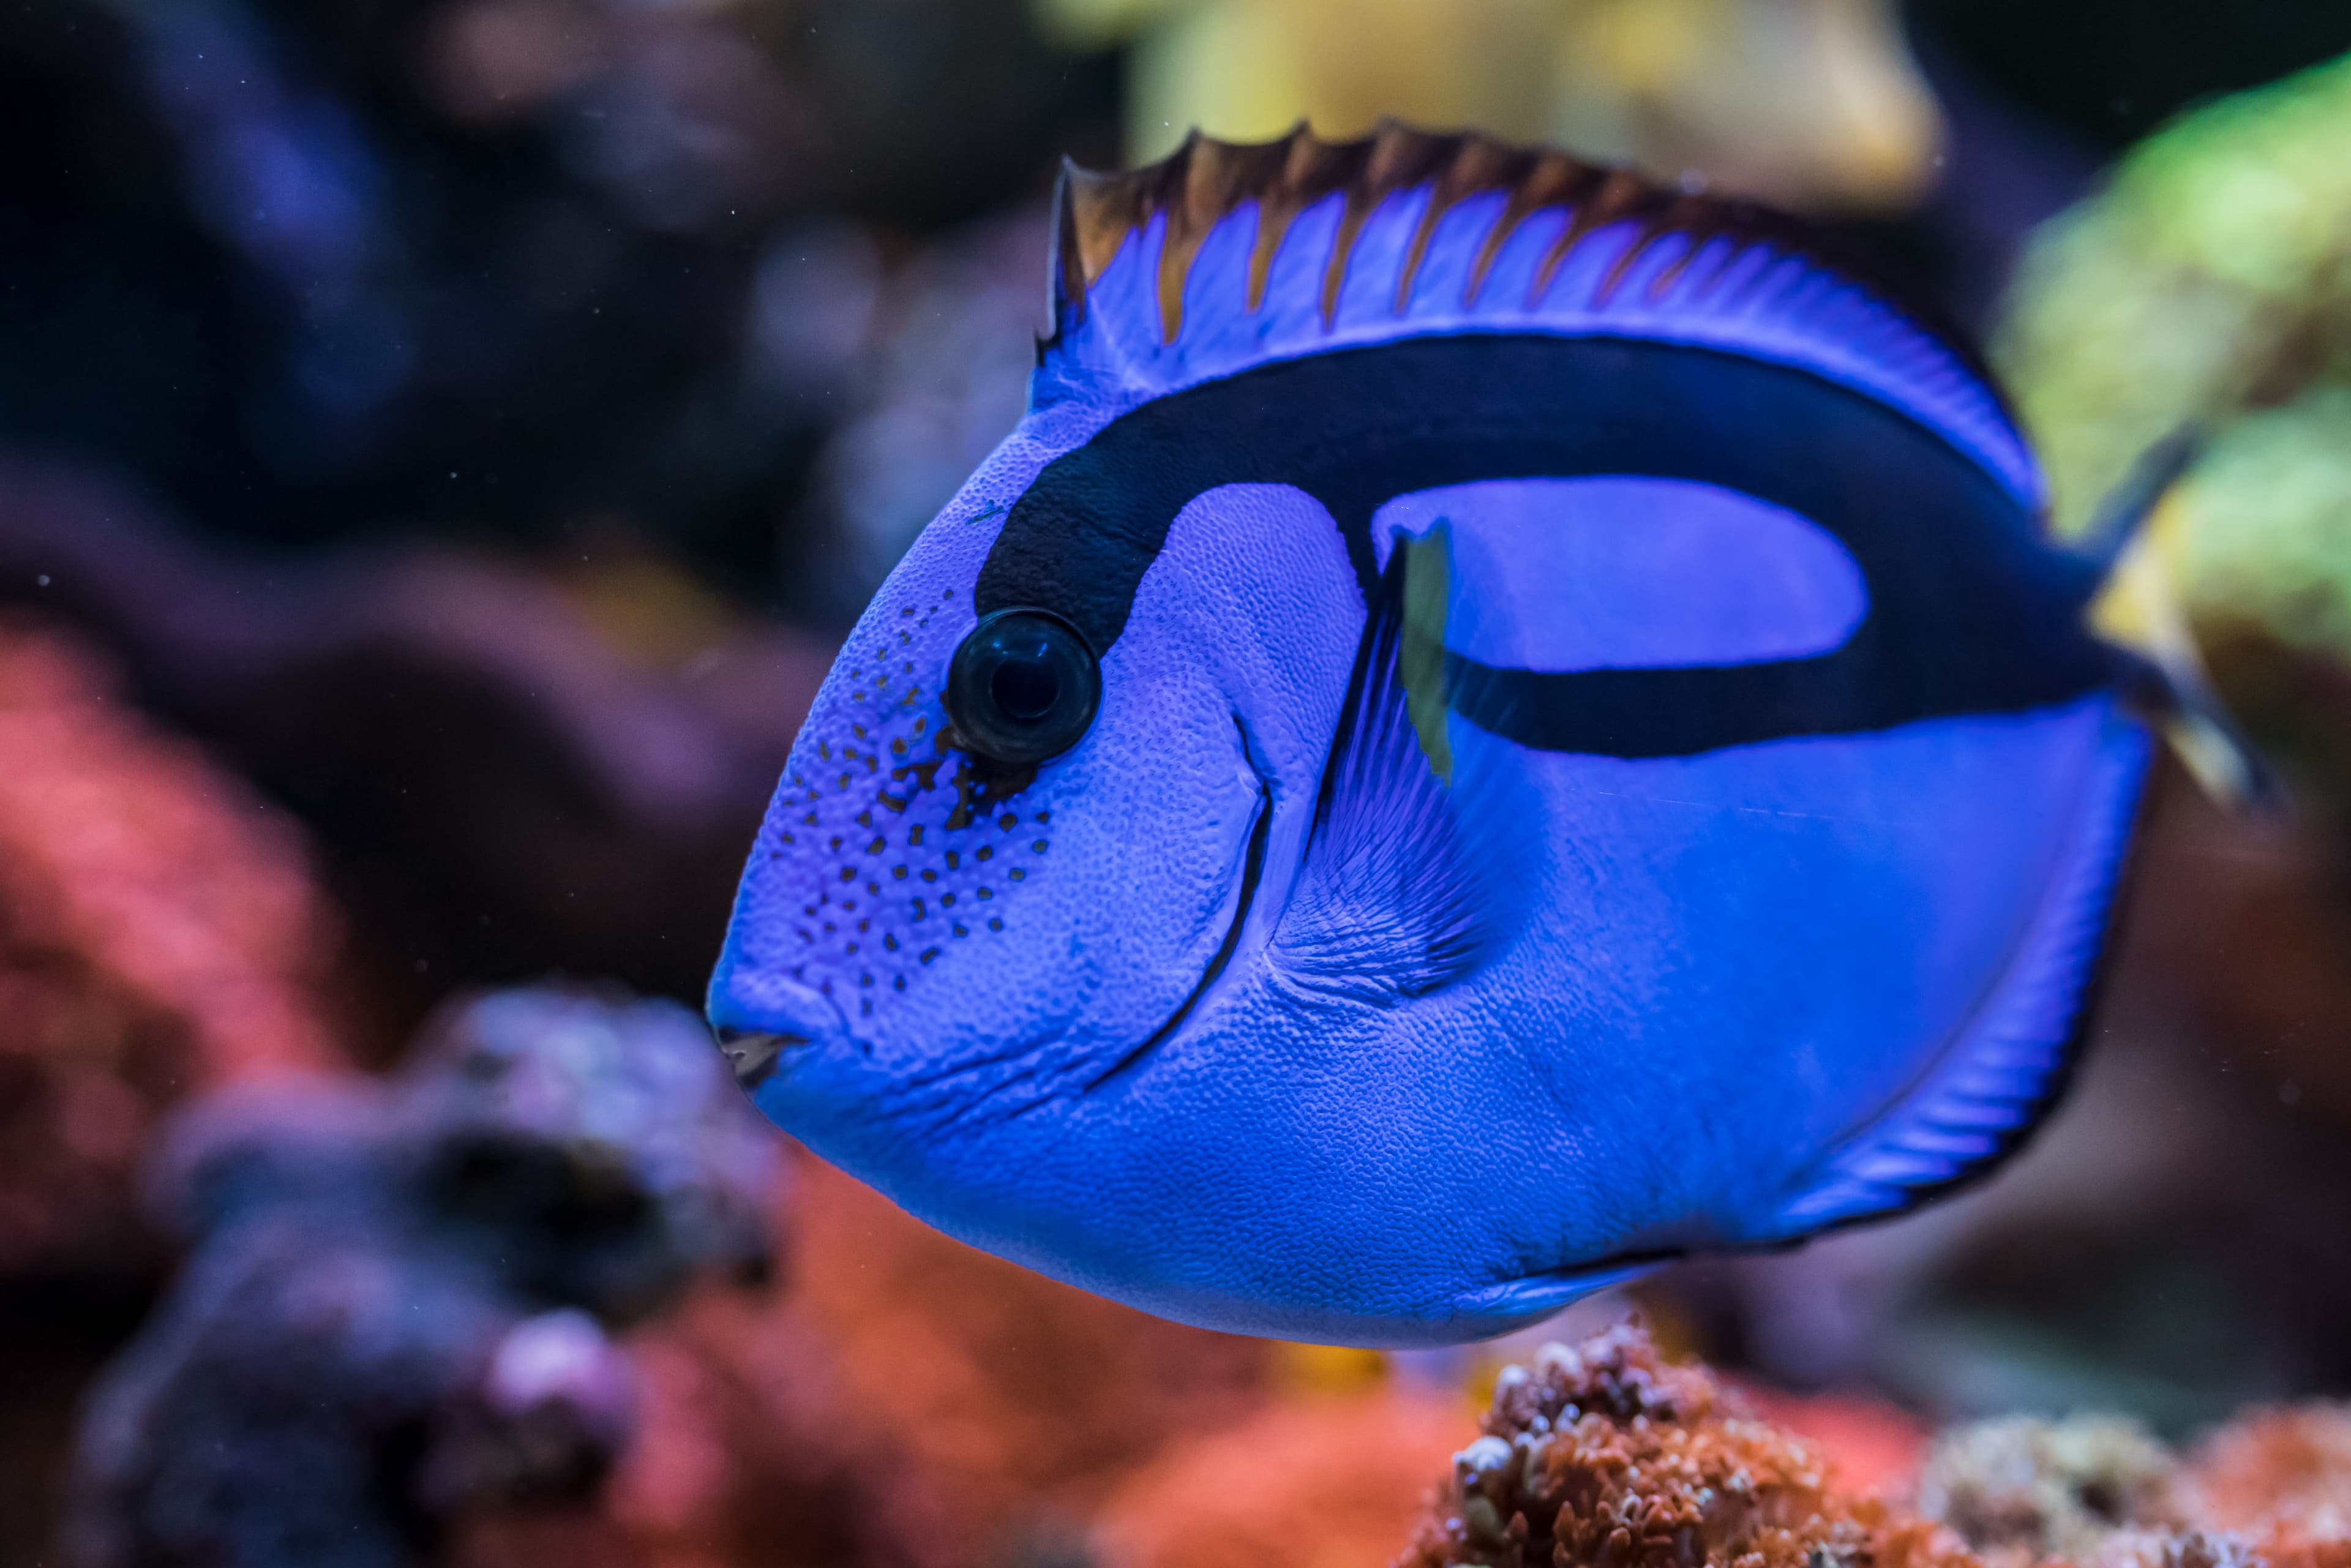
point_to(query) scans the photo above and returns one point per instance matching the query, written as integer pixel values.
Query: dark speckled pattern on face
(916, 846)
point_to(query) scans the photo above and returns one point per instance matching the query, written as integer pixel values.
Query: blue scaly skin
(1533, 731)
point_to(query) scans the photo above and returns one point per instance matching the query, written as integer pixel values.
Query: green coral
(2212, 274)
(2211, 281)
(2267, 534)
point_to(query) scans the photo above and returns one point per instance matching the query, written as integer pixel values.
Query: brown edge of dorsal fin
(1479, 165)
(1218, 176)
(1401, 158)
(1206, 180)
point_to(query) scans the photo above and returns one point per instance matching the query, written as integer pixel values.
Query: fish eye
(1023, 687)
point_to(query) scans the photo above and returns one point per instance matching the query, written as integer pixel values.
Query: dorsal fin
(1224, 255)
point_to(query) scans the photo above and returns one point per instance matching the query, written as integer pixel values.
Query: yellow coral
(1808, 102)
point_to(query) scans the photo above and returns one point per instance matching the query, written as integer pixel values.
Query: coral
(2208, 278)
(1605, 1455)
(1028, 1400)
(2261, 549)
(2210, 283)
(750, 1454)
(1874, 1445)
(1814, 103)
(2274, 1469)
(399, 1301)
(2038, 1488)
(1346, 1474)
(903, 1401)
(160, 936)
(509, 768)
(2269, 1490)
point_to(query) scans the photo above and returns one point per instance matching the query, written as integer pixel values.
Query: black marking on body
(1971, 609)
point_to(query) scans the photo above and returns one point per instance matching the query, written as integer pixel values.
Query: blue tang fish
(1494, 724)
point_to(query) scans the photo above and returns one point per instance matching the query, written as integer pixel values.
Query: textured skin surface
(1726, 966)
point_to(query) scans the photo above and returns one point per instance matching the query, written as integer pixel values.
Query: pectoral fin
(1408, 881)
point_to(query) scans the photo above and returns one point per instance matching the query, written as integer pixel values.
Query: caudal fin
(2139, 613)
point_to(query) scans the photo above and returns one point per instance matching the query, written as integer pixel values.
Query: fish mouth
(755, 1022)
(751, 1053)
(1252, 873)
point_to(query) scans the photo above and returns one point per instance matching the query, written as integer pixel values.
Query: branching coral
(1606, 1457)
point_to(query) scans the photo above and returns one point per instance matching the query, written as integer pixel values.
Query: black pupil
(1025, 686)
(1021, 688)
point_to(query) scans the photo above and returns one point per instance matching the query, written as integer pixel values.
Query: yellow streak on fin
(1420, 658)
(2138, 609)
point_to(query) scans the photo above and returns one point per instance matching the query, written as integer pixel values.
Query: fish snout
(757, 1025)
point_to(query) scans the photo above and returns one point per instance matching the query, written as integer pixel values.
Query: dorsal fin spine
(1550, 182)
(1273, 214)
(1476, 165)
(1065, 270)
(1618, 254)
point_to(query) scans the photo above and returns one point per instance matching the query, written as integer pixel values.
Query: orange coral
(901, 1400)
(745, 1454)
(1875, 1446)
(1325, 1482)
(1027, 1399)
(2285, 1469)
(159, 935)
(1606, 1456)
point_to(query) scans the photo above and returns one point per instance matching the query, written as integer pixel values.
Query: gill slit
(1252, 873)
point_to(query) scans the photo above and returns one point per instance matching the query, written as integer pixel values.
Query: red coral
(747, 1455)
(159, 934)
(1606, 1456)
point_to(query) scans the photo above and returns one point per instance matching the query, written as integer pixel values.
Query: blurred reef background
(441, 442)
